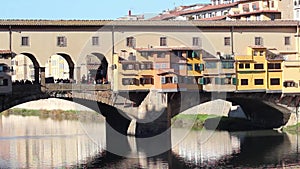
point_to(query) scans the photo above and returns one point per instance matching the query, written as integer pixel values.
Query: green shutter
(234, 81)
(201, 67)
(201, 80)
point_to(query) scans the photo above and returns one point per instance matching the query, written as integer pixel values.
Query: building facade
(162, 55)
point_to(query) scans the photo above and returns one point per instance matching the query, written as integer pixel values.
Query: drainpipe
(231, 34)
(297, 42)
(112, 57)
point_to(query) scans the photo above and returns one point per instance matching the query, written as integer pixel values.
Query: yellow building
(251, 70)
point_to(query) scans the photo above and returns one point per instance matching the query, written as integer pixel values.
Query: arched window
(295, 3)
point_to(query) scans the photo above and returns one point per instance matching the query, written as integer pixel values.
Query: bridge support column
(71, 73)
(78, 75)
(43, 81)
(36, 75)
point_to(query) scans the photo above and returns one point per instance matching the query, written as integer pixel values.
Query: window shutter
(201, 81)
(201, 67)
(163, 79)
(234, 81)
(175, 79)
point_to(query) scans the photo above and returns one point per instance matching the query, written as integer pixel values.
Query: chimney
(129, 13)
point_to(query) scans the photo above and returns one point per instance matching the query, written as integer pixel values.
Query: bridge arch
(35, 63)
(96, 67)
(70, 62)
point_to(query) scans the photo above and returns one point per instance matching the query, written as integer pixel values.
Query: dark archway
(70, 63)
(36, 66)
(100, 74)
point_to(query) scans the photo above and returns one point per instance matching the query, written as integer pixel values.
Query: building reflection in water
(28, 142)
(206, 147)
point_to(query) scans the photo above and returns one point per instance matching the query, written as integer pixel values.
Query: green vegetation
(185, 120)
(56, 114)
(294, 129)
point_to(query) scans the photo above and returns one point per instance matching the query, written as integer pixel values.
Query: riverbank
(56, 114)
(293, 129)
(213, 122)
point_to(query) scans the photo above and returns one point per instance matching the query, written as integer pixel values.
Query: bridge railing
(77, 87)
(26, 89)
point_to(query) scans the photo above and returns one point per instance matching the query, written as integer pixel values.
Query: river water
(34, 142)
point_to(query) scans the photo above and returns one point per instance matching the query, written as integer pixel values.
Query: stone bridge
(144, 113)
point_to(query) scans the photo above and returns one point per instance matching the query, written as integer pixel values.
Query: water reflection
(31, 142)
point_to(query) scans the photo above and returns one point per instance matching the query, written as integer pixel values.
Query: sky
(86, 9)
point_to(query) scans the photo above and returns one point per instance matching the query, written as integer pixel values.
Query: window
(146, 80)
(199, 67)
(247, 65)
(227, 65)
(128, 66)
(241, 66)
(175, 79)
(189, 67)
(246, 8)
(258, 41)
(258, 81)
(161, 55)
(274, 66)
(163, 79)
(130, 42)
(261, 53)
(275, 81)
(95, 41)
(163, 41)
(196, 41)
(289, 84)
(130, 81)
(227, 41)
(144, 54)
(211, 65)
(25, 41)
(3, 82)
(287, 40)
(61, 41)
(255, 6)
(244, 82)
(258, 66)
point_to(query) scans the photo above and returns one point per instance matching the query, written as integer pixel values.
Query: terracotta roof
(139, 23)
(255, 12)
(209, 7)
(5, 52)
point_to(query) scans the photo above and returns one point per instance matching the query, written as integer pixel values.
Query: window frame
(95, 41)
(25, 41)
(163, 41)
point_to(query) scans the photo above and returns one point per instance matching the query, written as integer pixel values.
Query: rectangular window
(258, 41)
(25, 41)
(61, 41)
(227, 41)
(129, 81)
(196, 41)
(199, 67)
(163, 41)
(163, 79)
(289, 84)
(244, 82)
(247, 65)
(211, 65)
(217, 80)
(161, 54)
(95, 41)
(259, 81)
(275, 81)
(241, 66)
(258, 66)
(189, 67)
(287, 40)
(274, 66)
(130, 42)
(227, 65)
